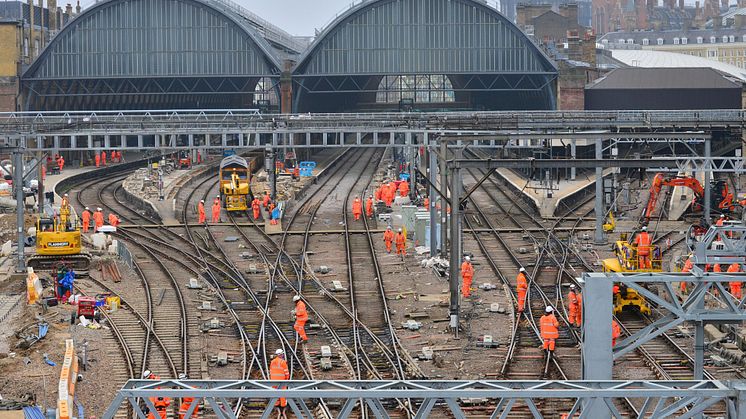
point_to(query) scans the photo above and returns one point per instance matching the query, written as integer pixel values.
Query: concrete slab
(535, 192)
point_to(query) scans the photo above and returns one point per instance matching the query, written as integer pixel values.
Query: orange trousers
(521, 301)
(574, 317)
(388, 246)
(466, 288)
(300, 327)
(86, 225)
(549, 344)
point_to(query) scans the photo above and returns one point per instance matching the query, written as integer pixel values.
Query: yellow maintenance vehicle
(235, 181)
(58, 242)
(627, 260)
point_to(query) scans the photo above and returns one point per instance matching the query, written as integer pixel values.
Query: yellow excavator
(626, 260)
(58, 242)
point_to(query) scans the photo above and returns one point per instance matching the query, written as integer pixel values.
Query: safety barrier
(68, 377)
(124, 254)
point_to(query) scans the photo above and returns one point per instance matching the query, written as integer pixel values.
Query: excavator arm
(659, 182)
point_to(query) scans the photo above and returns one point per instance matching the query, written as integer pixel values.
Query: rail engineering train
(235, 182)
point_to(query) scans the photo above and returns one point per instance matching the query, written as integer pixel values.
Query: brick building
(25, 29)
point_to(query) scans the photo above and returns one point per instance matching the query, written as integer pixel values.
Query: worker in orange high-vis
(256, 205)
(201, 211)
(467, 275)
(301, 317)
(357, 208)
(113, 220)
(216, 212)
(217, 200)
(377, 194)
(404, 189)
(616, 331)
(86, 216)
(549, 329)
(278, 371)
(61, 163)
(186, 403)
(266, 199)
(735, 286)
(574, 306)
(97, 158)
(643, 249)
(103, 157)
(401, 243)
(98, 219)
(521, 289)
(388, 238)
(369, 207)
(688, 265)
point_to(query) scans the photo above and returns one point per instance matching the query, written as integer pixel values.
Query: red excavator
(722, 200)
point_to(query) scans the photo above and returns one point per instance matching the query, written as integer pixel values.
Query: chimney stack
(77, 8)
(681, 5)
(52, 6)
(69, 10)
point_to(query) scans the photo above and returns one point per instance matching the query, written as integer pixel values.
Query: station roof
(666, 78)
(664, 59)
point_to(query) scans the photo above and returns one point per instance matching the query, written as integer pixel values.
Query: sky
(298, 17)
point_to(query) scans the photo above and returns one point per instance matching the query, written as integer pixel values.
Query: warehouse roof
(666, 78)
(664, 59)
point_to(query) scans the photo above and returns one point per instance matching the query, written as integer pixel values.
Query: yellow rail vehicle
(235, 183)
(59, 242)
(627, 260)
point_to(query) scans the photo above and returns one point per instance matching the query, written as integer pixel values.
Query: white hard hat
(388, 228)
(202, 201)
(86, 207)
(467, 258)
(99, 209)
(296, 298)
(218, 196)
(721, 215)
(65, 194)
(644, 228)
(549, 309)
(522, 269)
(400, 230)
(572, 286)
(182, 376)
(146, 374)
(279, 352)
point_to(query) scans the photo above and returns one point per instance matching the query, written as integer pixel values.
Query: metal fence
(124, 254)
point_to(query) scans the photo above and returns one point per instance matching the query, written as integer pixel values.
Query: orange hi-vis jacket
(301, 313)
(467, 270)
(549, 326)
(521, 282)
(278, 369)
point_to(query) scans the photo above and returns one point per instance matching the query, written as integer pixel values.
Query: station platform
(538, 193)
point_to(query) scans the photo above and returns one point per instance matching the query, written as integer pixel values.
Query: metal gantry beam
(661, 399)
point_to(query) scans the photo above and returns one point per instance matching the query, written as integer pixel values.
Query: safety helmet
(279, 352)
(572, 286)
(721, 215)
(202, 201)
(146, 374)
(99, 209)
(217, 197)
(549, 309)
(644, 228)
(400, 230)
(296, 298)
(65, 194)
(388, 227)
(522, 269)
(86, 208)
(182, 376)
(467, 258)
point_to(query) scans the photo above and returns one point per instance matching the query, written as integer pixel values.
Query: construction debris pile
(144, 183)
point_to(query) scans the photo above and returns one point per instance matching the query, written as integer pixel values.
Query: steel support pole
(573, 154)
(598, 358)
(433, 167)
(600, 213)
(708, 178)
(443, 202)
(414, 154)
(455, 261)
(20, 207)
(40, 190)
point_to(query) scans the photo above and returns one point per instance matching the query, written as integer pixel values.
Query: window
(713, 40)
(645, 41)
(725, 39)
(621, 41)
(711, 53)
(731, 38)
(676, 41)
(36, 48)
(699, 39)
(25, 47)
(420, 88)
(743, 38)
(684, 41)
(630, 41)
(265, 90)
(660, 41)
(604, 41)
